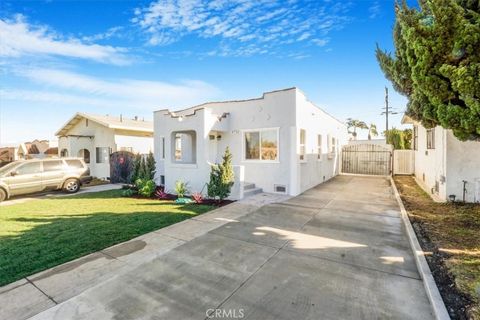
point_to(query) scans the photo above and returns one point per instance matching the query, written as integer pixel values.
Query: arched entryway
(85, 154)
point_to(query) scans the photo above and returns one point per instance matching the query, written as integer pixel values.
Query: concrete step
(248, 186)
(251, 192)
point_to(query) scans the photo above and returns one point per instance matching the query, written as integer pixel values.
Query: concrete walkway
(338, 251)
(58, 194)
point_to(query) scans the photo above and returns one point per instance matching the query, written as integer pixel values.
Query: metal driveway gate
(369, 159)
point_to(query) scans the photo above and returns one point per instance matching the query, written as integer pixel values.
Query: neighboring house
(443, 163)
(280, 143)
(8, 154)
(95, 137)
(29, 150)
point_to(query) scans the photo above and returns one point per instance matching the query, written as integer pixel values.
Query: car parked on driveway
(30, 176)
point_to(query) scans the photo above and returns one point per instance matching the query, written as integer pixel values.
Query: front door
(26, 178)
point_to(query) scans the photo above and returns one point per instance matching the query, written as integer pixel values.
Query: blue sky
(133, 57)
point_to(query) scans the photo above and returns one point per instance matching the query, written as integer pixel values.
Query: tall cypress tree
(436, 64)
(150, 166)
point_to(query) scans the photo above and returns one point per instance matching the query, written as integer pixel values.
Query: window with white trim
(415, 137)
(303, 140)
(334, 145)
(178, 147)
(163, 148)
(261, 145)
(431, 138)
(102, 154)
(319, 147)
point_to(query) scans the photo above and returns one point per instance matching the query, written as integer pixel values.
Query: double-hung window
(319, 147)
(162, 156)
(102, 154)
(431, 138)
(303, 141)
(415, 137)
(261, 145)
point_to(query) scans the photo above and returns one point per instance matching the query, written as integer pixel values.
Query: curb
(436, 301)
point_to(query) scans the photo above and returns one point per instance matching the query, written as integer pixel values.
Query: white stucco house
(280, 142)
(444, 165)
(95, 137)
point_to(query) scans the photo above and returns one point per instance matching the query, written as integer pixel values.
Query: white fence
(403, 162)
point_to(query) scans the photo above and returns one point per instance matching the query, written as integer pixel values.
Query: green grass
(38, 235)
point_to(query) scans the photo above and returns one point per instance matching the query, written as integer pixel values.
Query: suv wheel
(71, 186)
(3, 195)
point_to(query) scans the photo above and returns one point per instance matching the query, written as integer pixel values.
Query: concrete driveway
(338, 251)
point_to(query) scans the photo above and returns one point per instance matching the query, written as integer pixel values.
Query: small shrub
(221, 178)
(128, 193)
(161, 194)
(145, 187)
(197, 197)
(181, 188)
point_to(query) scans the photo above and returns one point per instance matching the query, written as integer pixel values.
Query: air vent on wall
(280, 188)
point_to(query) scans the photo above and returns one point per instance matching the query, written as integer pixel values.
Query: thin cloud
(110, 33)
(19, 38)
(125, 92)
(374, 10)
(240, 24)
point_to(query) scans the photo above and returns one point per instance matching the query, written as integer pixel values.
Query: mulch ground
(449, 233)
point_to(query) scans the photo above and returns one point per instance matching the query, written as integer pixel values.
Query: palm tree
(372, 131)
(352, 123)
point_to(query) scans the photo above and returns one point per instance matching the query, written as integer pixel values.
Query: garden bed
(449, 233)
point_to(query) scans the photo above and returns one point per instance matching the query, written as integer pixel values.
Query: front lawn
(40, 234)
(450, 235)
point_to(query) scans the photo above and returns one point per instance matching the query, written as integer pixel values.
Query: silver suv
(30, 176)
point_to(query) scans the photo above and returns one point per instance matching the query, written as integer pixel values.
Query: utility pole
(386, 108)
(387, 111)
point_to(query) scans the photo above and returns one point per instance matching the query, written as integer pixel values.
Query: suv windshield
(7, 168)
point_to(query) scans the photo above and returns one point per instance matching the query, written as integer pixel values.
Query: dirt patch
(450, 236)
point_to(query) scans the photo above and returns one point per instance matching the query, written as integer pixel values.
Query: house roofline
(203, 105)
(194, 109)
(327, 113)
(407, 120)
(108, 125)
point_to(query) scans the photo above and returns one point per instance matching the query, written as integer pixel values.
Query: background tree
(400, 139)
(437, 64)
(353, 123)
(372, 131)
(135, 174)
